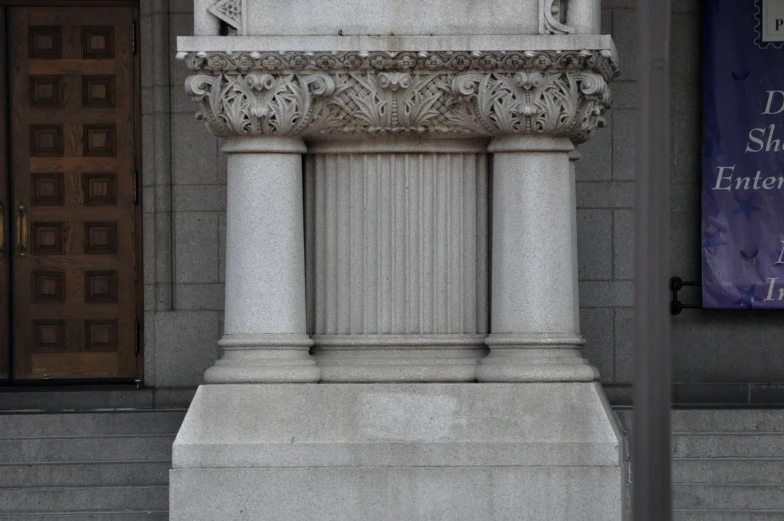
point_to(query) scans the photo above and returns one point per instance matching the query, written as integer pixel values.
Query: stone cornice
(550, 93)
(601, 61)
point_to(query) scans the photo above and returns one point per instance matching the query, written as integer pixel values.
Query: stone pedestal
(391, 452)
(434, 157)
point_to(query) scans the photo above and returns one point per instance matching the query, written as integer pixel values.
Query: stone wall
(184, 210)
(737, 348)
(184, 223)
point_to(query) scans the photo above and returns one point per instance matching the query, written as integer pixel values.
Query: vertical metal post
(652, 493)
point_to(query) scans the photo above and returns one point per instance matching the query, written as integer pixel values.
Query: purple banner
(743, 155)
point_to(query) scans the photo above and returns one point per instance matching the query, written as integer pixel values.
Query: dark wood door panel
(5, 333)
(74, 265)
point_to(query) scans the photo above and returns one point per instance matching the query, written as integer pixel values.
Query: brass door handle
(21, 229)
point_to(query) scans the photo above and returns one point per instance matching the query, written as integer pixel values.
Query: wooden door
(5, 330)
(74, 190)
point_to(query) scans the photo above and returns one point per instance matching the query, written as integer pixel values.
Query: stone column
(395, 171)
(388, 309)
(534, 330)
(264, 327)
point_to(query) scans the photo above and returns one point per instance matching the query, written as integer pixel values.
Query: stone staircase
(86, 465)
(728, 464)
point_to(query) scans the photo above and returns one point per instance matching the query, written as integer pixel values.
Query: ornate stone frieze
(549, 93)
(601, 61)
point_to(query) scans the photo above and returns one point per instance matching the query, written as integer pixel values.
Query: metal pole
(652, 492)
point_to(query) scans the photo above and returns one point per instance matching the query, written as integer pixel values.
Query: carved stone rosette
(554, 93)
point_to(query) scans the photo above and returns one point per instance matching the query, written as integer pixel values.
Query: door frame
(5, 167)
(6, 355)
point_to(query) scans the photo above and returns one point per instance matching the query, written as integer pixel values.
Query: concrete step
(729, 497)
(85, 474)
(40, 425)
(716, 420)
(728, 465)
(727, 471)
(92, 398)
(42, 450)
(61, 399)
(764, 445)
(728, 420)
(726, 515)
(75, 499)
(88, 516)
(735, 445)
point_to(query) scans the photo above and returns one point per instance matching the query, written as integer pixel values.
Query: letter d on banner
(771, 95)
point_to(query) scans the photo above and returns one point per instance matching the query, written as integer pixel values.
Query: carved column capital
(553, 93)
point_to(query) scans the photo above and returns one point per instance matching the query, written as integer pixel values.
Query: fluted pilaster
(397, 270)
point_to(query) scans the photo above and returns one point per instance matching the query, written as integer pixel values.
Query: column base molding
(263, 358)
(398, 358)
(535, 358)
(419, 452)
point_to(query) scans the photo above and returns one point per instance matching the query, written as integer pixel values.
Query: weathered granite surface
(397, 131)
(398, 451)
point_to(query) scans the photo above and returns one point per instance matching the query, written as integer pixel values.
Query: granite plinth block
(546, 451)
(397, 493)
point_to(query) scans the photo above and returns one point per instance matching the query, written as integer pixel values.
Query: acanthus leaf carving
(548, 93)
(566, 104)
(257, 103)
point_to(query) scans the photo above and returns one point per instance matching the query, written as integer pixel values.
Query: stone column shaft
(532, 237)
(264, 328)
(534, 331)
